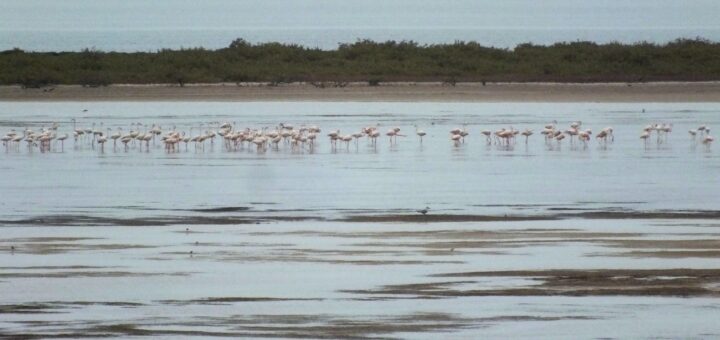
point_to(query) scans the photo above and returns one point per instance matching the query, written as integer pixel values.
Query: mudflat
(392, 92)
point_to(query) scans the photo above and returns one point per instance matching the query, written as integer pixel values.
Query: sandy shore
(463, 92)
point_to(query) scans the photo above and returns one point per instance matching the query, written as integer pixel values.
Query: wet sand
(392, 92)
(355, 280)
(247, 215)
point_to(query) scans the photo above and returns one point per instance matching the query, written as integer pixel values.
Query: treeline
(374, 62)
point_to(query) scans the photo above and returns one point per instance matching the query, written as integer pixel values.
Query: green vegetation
(372, 62)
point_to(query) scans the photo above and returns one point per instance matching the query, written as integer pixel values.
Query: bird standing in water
(424, 211)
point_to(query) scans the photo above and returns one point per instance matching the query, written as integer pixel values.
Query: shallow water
(472, 178)
(293, 264)
(131, 25)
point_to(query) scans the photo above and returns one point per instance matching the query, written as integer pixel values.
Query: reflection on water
(539, 238)
(406, 175)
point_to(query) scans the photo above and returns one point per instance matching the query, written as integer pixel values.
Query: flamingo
(155, 131)
(44, 137)
(45, 140)
(259, 142)
(374, 134)
(572, 132)
(17, 139)
(645, 135)
(584, 136)
(333, 136)
(6, 139)
(97, 132)
(397, 133)
(507, 135)
(357, 136)
(170, 142)
(420, 133)
(464, 133)
(101, 140)
(603, 134)
(186, 140)
(497, 134)
(608, 131)
(488, 135)
(527, 133)
(146, 138)
(667, 128)
(347, 139)
(87, 132)
(62, 139)
(311, 138)
(125, 140)
(548, 133)
(30, 139)
(391, 133)
(456, 139)
(275, 141)
(115, 137)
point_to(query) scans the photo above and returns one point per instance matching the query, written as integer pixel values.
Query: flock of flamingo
(302, 137)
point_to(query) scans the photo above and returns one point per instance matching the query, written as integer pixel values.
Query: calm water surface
(472, 178)
(123, 280)
(132, 25)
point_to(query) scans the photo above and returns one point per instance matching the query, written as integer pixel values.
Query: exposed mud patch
(84, 220)
(87, 274)
(220, 209)
(58, 306)
(367, 217)
(605, 214)
(433, 218)
(50, 267)
(602, 282)
(230, 300)
(674, 254)
(59, 248)
(29, 308)
(299, 326)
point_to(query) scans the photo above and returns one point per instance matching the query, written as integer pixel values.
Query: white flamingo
(644, 136)
(420, 133)
(101, 140)
(708, 140)
(62, 139)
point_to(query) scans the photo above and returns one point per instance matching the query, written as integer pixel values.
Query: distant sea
(142, 25)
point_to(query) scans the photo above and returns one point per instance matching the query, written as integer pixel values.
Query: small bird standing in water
(424, 211)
